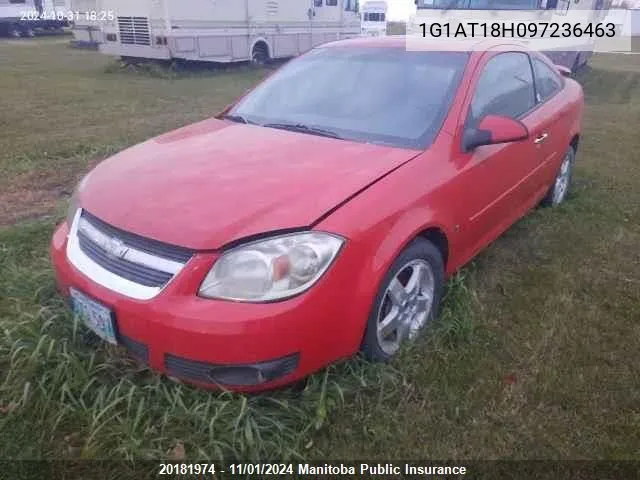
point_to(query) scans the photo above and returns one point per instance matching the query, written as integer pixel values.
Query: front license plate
(94, 315)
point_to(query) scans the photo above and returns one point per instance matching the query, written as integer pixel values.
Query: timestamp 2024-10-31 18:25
(69, 15)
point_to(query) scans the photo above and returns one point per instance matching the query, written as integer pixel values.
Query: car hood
(215, 182)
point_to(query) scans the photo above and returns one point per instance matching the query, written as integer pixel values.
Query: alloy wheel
(561, 185)
(406, 305)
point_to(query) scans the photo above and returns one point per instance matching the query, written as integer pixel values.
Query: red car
(320, 214)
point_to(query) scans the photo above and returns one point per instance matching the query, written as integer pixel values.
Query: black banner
(334, 469)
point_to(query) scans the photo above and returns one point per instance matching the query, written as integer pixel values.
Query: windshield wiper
(238, 119)
(301, 127)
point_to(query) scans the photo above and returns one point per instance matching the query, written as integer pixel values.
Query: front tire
(408, 300)
(560, 188)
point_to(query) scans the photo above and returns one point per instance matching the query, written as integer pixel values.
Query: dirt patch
(34, 194)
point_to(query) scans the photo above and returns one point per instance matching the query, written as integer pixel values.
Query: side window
(547, 81)
(332, 3)
(317, 3)
(505, 88)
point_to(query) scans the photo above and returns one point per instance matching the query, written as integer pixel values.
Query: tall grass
(84, 399)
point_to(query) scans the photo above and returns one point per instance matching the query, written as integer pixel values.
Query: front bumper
(242, 346)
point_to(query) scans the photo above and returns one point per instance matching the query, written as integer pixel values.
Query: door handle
(540, 139)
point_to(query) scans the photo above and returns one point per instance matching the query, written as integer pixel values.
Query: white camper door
(327, 10)
(325, 21)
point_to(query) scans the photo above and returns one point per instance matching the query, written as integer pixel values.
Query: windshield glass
(376, 95)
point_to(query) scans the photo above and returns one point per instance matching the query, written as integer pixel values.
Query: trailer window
(376, 95)
(481, 4)
(351, 5)
(373, 17)
(441, 4)
(504, 4)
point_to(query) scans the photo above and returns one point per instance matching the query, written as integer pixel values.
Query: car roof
(400, 41)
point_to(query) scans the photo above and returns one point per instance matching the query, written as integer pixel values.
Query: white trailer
(374, 19)
(225, 30)
(88, 16)
(25, 17)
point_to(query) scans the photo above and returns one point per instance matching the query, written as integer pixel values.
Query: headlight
(272, 269)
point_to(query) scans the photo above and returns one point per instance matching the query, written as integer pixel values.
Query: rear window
(548, 82)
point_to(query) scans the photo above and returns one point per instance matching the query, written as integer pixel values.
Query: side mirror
(564, 71)
(494, 129)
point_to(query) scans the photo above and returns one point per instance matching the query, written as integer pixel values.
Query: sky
(399, 10)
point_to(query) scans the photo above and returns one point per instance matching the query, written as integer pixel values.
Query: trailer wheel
(260, 54)
(13, 31)
(28, 32)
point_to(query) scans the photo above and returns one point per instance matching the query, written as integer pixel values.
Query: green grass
(534, 356)
(63, 109)
(66, 395)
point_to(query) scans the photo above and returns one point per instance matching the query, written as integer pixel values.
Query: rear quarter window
(548, 82)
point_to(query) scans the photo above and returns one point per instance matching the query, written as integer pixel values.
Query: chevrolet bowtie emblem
(116, 248)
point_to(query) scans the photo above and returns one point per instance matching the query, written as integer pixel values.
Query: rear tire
(561, 185)
(408, 300)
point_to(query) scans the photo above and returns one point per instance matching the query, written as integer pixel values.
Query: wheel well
(439, 239)
(574, 142)
(260, 45)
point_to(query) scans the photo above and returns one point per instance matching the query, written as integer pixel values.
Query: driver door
(495, 180)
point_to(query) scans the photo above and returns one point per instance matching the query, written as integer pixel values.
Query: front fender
(380, 223)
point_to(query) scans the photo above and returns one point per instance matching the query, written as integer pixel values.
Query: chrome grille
(134, 30)
(136, 273)
(140, 260)
(154, 247)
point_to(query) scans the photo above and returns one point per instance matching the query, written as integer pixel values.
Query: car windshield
(374, 95)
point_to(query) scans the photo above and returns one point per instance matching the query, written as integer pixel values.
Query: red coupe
(320, 214)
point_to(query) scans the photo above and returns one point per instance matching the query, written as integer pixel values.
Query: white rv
(24, 17)
(225, 30)
(374, 19)
(88, 16)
